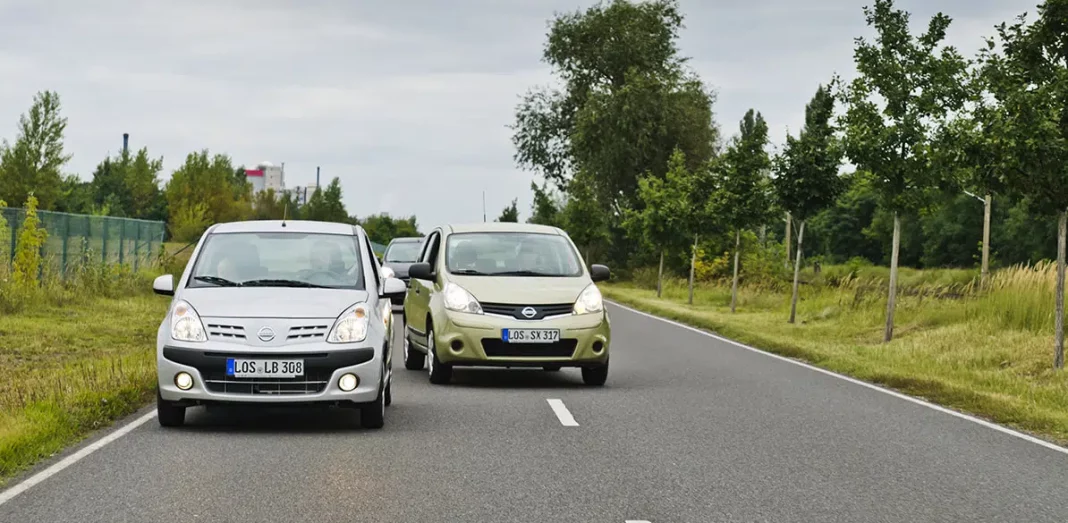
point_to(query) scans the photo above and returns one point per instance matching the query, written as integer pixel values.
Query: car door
(417, 303)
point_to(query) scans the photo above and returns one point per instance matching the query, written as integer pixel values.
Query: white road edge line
(566, 419)
(26, 484)
(917, 401)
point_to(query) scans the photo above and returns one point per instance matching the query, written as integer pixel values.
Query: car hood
(523, 290)
(399, 268)
(271, 302)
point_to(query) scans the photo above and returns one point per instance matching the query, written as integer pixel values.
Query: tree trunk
(764, 236)
(986, 242)
(789, 225)
(892, 299)
(660, 275)
(797, 272)
(693, 261)
(1058, 321)
(734, 286)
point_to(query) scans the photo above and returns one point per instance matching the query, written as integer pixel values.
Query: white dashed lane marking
(566, 419)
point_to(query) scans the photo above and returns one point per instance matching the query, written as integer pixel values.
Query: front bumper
(475, 339)
(323, 369)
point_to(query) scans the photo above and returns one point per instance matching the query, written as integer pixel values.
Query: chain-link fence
(73, 237)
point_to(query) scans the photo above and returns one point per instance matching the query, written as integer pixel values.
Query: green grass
(70, 368)
(986, 353)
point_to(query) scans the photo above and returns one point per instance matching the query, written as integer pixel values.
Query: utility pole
(483, 206)
(316, 178)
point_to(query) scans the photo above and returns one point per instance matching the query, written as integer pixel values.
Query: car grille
(496, 348)
(516, 311)
(307, 332)
(311, 383)
(216, 331)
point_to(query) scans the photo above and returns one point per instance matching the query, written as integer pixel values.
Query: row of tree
(207, 188)
(631, 138)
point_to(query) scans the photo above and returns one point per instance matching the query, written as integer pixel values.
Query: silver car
(278, 312)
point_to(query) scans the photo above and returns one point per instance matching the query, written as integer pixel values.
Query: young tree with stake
(664, 218)
(1031, 83)
(905, 87)
(807, 173)
(742, 198)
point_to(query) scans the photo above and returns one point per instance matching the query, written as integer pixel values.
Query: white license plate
(238, 368)
(530, 335)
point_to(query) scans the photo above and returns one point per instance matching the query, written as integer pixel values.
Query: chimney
(125, 142)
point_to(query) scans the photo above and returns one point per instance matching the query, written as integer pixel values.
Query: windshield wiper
(524, 273)
(221, 282)
(468, 272)
(281, 283)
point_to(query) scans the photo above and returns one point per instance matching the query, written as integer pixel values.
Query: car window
(374, 262)
(430, 250)
(289, 258)
(403, 252)
(512, 254)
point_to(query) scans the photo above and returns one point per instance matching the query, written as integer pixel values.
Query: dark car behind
(400, 254)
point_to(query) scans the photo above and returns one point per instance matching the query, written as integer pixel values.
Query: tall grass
(1019, 297)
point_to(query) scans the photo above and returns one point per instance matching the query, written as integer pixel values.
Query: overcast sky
(407, 102)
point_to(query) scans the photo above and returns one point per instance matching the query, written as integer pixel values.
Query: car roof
(503, 227)
(303, 226)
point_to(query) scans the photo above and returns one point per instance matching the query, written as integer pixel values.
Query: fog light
(183, 380)
(348, 382)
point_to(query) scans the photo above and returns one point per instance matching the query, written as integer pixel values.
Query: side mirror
(393, 288)
(420, 271)
(599, 273)
(164, 285)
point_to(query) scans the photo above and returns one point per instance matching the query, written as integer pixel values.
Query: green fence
(73, 237)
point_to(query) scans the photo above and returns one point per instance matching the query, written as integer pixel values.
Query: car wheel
(552, 368)
(169, 414)
(440, 373)
(412, 359)
(389, 390)
(373, 415)
(595, 376)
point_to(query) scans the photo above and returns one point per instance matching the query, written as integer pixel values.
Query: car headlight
(351, 326)
(186, 324)
(458, 299)
(589, 301)
(388, 273)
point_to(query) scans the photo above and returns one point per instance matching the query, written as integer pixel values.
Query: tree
(545, 209)
(904, 89)
(510, 213)
(129, 184)
(28, 249)
(1031, 84)
(663, 219)
(807, 178)
(742, 198)
(626, 103)
(326, 205)
(583, 217)
(202, 191)
(33, 162)
(382, 228)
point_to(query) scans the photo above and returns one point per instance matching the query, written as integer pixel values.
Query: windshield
(511, 254)
(279, 259)
(404, 252)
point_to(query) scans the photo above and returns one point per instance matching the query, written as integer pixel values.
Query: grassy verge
(986, 353)
(71, 369)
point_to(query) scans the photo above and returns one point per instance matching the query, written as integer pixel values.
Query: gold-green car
(505, 295)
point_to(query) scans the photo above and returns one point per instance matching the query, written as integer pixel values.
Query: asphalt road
(688, 429)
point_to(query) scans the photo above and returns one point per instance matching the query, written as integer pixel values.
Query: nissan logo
(529, 312)
(265, 334)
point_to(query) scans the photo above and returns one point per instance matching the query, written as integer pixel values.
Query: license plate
(264, 368)
(530, 335)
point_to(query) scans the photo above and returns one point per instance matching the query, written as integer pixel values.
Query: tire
(373, 415)
(440, 373)
(413, 360)
(595, 376)
(552, 368)
(168, 414)
(389, 391)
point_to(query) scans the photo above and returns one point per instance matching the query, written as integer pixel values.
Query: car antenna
(285, 211)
